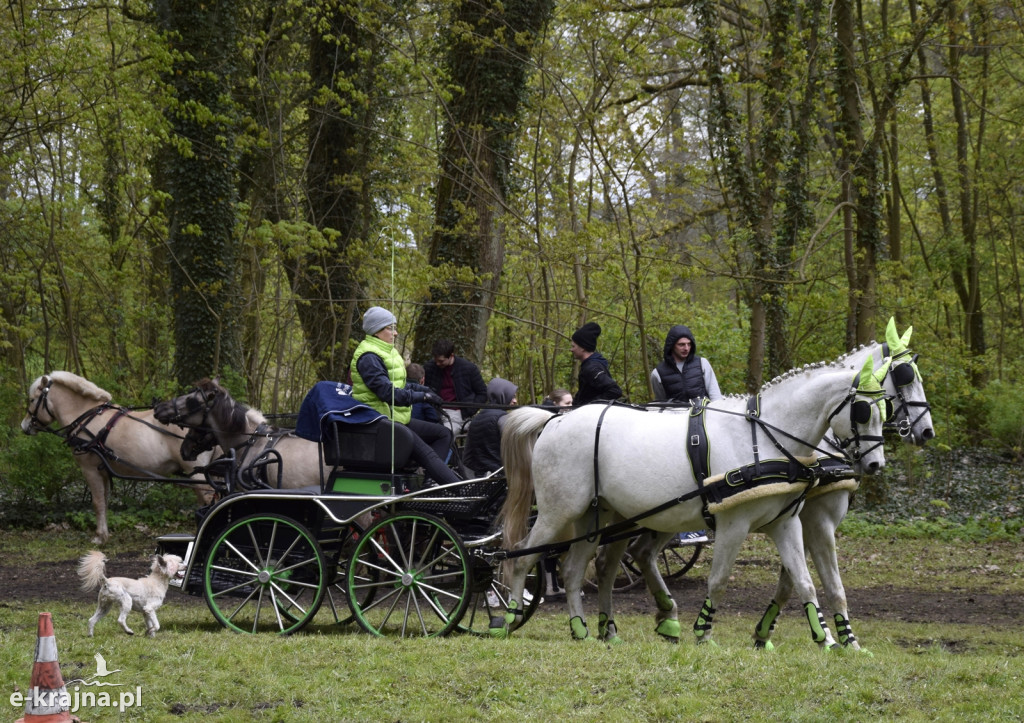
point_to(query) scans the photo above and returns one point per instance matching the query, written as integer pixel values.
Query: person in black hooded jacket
(483, 440)
(683, 374)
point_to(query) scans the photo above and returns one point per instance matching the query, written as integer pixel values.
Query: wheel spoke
(265, 561)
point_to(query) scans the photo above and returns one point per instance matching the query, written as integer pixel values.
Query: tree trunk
(489, 69)
(342, 62)
(200, 176)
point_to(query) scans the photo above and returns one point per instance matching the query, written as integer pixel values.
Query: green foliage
(39, 480)
(1003, 403)
(981, 530)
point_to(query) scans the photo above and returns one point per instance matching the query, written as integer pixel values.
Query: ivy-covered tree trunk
(199, 169)
(343, 132)
(751, 168)
(489, 45)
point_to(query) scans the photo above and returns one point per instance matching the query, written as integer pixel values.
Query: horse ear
(892, 337)
(869, 381)
(906, 337)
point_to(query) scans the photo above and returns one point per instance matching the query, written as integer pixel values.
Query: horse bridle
(201, 435)
(904, 372)
(41, 401)
(860, 413)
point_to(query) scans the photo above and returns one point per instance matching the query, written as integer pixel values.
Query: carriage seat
(380, 446)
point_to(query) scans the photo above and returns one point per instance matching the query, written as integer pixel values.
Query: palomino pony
(107, 440)
(606, 463)
(209, 411)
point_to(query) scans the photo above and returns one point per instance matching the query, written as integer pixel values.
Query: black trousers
(430, 449)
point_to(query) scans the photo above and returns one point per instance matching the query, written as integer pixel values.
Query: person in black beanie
(596, 382)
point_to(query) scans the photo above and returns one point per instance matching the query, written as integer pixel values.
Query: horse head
(193, 411)
(58, 396)
(212, 417)
(39, 414)
(905, 386)
(859, 432)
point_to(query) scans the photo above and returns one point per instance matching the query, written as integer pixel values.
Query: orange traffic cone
(47, 699)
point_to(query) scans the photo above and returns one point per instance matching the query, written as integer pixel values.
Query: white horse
(604, 463)
(267, 455)
(107, 440)
(826, 504)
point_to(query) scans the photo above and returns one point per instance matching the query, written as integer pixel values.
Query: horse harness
(249, 475)
(759, 472)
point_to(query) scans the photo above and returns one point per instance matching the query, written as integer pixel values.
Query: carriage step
(176, 543)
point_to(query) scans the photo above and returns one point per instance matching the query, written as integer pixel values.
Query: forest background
(196, 188)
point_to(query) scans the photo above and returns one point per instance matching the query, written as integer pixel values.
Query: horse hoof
(498, 633)
(613, 641)
(669, 629)
(764, 645)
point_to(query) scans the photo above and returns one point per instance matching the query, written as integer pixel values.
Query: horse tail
(518, 436)
(92, 568)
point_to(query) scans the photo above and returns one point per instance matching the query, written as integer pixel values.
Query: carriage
(369, 542)
(361, 532)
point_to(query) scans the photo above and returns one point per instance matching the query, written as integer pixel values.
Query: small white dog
(145, 594)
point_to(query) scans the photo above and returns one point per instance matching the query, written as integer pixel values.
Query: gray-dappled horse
(266, 455)
(606, 463)
(108, 440)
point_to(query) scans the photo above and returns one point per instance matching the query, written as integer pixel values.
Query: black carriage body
(230, 561)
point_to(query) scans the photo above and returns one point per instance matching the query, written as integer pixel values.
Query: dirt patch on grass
(58, 581)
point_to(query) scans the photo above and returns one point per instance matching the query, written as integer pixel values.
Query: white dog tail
(92, 568)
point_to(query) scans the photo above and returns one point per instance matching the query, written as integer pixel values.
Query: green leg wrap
(578, 628)
(670, 630)
(843, 630)
(664, 601)
(512, 613)
(846, 636)
(606, 630)
(817, 623)
(702, 626)
(766, 625)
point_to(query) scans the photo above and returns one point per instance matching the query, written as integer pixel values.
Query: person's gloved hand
(432, 398)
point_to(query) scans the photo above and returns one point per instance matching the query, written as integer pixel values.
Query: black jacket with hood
(690, 384)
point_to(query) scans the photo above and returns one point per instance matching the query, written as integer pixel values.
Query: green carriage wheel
(490, 597)
(336, 599)
(265, 573)
(415, 572)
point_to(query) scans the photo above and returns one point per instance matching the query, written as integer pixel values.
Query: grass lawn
(195, 670)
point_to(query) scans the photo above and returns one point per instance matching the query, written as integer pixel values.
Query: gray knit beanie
(376, 318)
